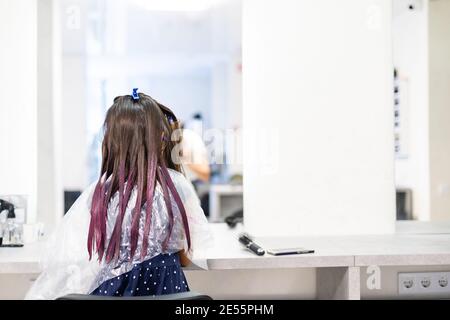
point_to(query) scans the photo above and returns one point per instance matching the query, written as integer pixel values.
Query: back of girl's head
(136, 153)
(137, 130)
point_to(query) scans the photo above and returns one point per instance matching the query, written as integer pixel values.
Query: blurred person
(194, 159)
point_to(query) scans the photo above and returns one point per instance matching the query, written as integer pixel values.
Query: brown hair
(136, 153)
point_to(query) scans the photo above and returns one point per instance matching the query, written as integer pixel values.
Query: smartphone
(283, 252)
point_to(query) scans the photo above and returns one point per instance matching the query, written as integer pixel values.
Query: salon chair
(176, 296)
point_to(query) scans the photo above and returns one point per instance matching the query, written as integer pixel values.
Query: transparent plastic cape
(65, 263)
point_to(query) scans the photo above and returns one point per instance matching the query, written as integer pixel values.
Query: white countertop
(21, 260)
(415, 243)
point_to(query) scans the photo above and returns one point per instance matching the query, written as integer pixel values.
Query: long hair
(136, 153)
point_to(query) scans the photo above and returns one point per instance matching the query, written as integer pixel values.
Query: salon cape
(66, 268)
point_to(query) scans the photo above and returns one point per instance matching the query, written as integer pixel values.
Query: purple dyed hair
(136, 153)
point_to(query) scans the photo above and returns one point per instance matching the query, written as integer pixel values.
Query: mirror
(185, 54)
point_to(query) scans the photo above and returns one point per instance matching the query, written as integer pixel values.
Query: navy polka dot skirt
(157, 276)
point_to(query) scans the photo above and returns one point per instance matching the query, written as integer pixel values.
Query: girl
(130, 232)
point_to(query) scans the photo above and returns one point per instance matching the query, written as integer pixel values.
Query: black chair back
(176, 296)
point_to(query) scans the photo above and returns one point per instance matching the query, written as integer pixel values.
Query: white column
(74, 85)
(29, 108)
(439, 62)
(318, 84)
(50, 194)
(18, 103)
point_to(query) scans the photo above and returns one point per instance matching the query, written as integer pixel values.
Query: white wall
(410, 52)
(439, 43)
(73, 117)
(319, 75)
(73, 23)
(29, 109)
(18, 106)
(49, 191)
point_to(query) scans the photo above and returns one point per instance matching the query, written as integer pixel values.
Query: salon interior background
(188, 55)
(185, 54)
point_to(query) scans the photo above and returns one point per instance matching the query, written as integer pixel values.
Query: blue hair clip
(135, 94)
